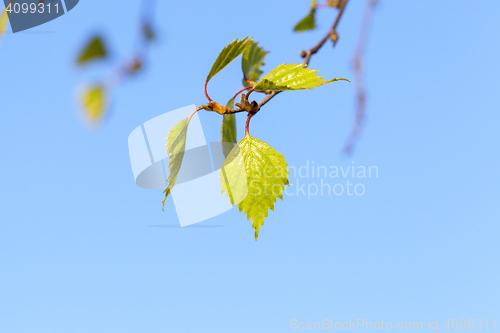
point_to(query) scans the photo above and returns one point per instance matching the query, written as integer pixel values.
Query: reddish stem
(248, 93)
(206, 94)
(192, 113)
(241, 90)
(250, 115)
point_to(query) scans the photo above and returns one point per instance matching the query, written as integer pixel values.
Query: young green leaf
(3, 23)
(176, 145)
(253, 59)
(93, 50)
(254, 175)
(307, 23)
(94, 102)
(292, 77)
(228, 129)
(228, 54)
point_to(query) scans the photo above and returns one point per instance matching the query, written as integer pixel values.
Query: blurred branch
(331, 34)
(138, 57)
(359, 76)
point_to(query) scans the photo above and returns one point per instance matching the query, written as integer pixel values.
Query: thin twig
(308, 53)
(267, 99)
(332, 32)
(236, 110)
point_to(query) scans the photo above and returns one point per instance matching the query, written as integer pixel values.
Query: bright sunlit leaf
(176, 146)
(254, 175)
(292, 77)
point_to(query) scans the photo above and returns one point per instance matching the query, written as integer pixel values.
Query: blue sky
(77, 250)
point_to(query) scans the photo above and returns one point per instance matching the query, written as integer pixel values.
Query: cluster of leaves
(94, 98)
(253, 174)
(309, 21)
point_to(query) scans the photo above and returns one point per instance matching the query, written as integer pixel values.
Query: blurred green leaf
(176, 145)
(292, 77)
(94, 102)
(228, 54)
(228, 129)
(253, 59)
(307, 23)
(254, 175)
(92, 51)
